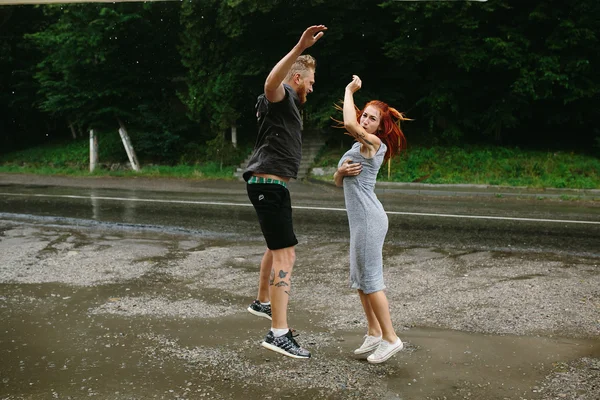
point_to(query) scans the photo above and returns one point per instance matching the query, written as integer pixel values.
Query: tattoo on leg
(281, 283)
(282, 274)
(286, 292)
(272, 278)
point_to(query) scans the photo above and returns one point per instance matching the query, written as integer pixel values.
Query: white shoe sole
(387, 356)
(280, 351)
(259, 314)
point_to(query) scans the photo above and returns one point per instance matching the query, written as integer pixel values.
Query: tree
(506, 72)
(221, 59)
(501, 68)
(21, 123)
(107, 62)
(230, 46)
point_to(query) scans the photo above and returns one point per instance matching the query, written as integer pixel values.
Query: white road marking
(218, 203)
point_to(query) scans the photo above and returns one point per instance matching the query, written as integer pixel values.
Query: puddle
(526, 277)
(152, 304)
(54, 344)
(456, 364)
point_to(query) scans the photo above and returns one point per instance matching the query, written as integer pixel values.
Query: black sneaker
(260, 310)
(285, 345)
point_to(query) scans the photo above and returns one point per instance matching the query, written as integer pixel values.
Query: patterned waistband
(260, 179)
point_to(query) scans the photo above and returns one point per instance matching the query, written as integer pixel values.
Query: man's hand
(348, 168)
(355, 84)
(311, 35)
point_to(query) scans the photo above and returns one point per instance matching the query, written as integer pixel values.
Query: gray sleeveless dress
(368, 221)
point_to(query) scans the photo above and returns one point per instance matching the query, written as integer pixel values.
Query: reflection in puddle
(128, 208)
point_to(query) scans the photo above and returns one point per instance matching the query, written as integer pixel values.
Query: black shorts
(274, 210)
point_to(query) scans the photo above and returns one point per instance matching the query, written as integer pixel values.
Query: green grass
(72, 159)
(436, 165)
(486, 166)
(73, 154)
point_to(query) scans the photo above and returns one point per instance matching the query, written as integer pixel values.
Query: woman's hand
(348, 168)
(355, 84)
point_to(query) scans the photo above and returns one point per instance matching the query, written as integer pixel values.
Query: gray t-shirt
(278, 148)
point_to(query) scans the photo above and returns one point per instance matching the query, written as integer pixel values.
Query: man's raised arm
(274, 84)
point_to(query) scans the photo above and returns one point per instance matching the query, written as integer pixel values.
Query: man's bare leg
(266, 265)
(280, 285)
(280, 338)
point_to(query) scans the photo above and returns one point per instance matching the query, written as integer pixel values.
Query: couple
(276, 160)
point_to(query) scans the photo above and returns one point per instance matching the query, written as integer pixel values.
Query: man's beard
(302, 93)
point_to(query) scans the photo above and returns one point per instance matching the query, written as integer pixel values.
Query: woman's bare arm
(352, 126)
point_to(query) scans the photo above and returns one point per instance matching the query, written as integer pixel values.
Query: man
(275, 161)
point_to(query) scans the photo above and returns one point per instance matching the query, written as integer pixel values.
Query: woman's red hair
(389, 130)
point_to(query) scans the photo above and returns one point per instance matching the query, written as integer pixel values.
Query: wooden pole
(128, 147)
(234, 135)
(93, 150)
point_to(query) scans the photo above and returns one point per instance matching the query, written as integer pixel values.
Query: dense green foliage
(105, 63)
(485, 165)
(180, 74)
(21, 122)
(501, 71)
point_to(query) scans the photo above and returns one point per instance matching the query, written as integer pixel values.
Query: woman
(379, 137)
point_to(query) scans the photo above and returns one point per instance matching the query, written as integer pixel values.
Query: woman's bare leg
(380, 306)
(373, 327)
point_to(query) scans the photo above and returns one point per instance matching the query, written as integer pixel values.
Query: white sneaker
(384, 351)
(370, 344)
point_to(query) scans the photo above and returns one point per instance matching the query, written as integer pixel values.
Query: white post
(93, 150)
(129, 149)
(234, 135)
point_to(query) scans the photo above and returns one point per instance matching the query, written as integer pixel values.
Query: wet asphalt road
(132, 290)
(222, 208)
